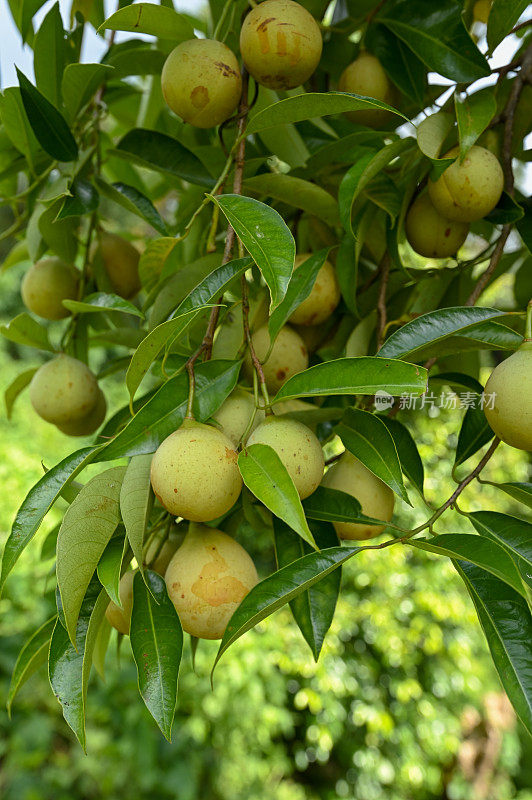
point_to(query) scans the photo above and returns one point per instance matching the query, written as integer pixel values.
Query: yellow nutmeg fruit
(63, 390)
(349, 475)
(289, 355)
(194, 472)
(469, 190)
(297, 447)
(201, 82)
(365, 76)
(323, 298)
(207, 579)
(508, 399)
(430, 234)
(235, 415)
(281, 44)
(121, 263)
(89, 423)
(46, 284)
(120, 617)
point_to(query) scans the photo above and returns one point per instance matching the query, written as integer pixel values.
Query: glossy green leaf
(362, 173)
(519, 491)
(166, 410)
(296, 192)
(331, 505)
(283, 586)
(87, 527)
(50, 55)
(403, 67)
(506, 211)
(136, 502)
(438, 38)
(202, 296)
(38, 502)
(365, 375)
(69, 666)
(33, 654)
(477, 550)
(474, 433)
(502, 18)
(266, 477)
(184, 278)
(411, 463)
(101, 301)
(511, 532)
(434, 327)
(16, 387)
(299, 288)
(507, 623)
(16, 124)
(80, 82)
(135, 202)
(157, 644)
(266, 237)
(48, 124)
(312, 104)
(109, 567)
(314, 609)
(24, 329)
(155, 20)
(366, 436)
(473, 114)
(83, 199)
(160, 152)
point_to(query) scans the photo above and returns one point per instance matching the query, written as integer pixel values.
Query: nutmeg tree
(320, 222)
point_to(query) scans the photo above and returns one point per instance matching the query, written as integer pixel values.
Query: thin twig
(494, 261)
(509, 114)
(247, 333)
(381, 301)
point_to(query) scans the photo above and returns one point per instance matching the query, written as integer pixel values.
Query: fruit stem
(191, 389)
(247, 333)
(528, 328)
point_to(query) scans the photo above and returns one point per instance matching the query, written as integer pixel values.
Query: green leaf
(366, 436)
(159, 21)
(299, 288)
(31, 657)
(16, 124)
(166, 410)
(50, 55)
(100, 301)
(361, 173)
(69, 666)
(474, 433)
(438, 38)
(296, 192)
(280, 588)
(87, 527)
(265, 475)
(519, 491)
(502, 18)
(477, 550)
(135, 202)
(473, 114)
(16, 387)
(403, 67)
(83, 199)
(312, 104)
(505, 618)
(431, 134)
(80, 82)
(25, 330)
(511, 532)
(200, 298)
(109, 567)
(411, 463)
(314, 609)
(163, 153)
(506, 211)
(136, 502)
(434, 327)
(266, 237)
(48, 124)
(331, 505)
(38, 502)
(364, 375)
(153, 260)
(157, 645)
(59, 234)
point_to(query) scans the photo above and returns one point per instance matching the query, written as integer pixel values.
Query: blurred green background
(403, 705)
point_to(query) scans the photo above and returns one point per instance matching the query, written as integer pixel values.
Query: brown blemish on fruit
(262, 33)
(199, 97)
(225, 69)
(231, 455)
(214, 588)
(280, 374)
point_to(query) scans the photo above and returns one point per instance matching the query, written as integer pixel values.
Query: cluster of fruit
(64, 391)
